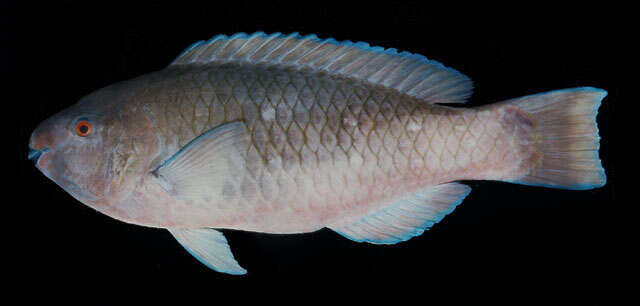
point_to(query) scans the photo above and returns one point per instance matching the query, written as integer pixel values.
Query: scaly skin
(322, 149)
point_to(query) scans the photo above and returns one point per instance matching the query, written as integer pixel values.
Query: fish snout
(41, 137)
(41, 141)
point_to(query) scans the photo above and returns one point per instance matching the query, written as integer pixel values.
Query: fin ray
(210, 247)
(406, 218)
(411, 74)
(197, 170)
(566, 138)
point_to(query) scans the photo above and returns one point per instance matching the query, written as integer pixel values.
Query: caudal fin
(566, 138)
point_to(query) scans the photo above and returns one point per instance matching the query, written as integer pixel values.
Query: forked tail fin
(566, 138)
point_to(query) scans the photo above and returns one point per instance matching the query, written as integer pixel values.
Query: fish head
(88, 148)
(69, 149)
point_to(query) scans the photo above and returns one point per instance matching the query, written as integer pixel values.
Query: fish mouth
(66, 183)
(34, 154)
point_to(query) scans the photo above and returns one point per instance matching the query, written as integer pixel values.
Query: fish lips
(41, 158)
(34, 154)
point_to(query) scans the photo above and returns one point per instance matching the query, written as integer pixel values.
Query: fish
(285, 134)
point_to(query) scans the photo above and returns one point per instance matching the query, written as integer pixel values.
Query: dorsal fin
(411, 74)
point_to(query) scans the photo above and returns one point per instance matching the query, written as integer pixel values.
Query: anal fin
(405, 218)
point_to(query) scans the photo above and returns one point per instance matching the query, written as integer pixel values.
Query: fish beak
(34, 154)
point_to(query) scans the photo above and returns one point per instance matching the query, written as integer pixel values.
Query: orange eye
(83, 128)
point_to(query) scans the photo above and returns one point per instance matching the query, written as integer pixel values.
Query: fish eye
(83, 128)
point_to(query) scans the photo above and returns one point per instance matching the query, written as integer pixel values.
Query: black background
(506, 244)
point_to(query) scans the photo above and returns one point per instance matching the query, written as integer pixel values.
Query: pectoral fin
(405, 218)
(198, 170)
(210, 248)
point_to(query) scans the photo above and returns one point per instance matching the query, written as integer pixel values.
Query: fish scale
(363, 135)
(289, 134)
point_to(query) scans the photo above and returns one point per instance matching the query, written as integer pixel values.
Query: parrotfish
(291, 134)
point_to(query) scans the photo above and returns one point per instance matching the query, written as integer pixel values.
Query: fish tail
(563, 138)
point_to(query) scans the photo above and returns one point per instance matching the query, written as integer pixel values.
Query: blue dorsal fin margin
(409, 73)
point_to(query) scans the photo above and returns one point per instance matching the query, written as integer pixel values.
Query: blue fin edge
(359, 44)
(419, 230)
(596, 107)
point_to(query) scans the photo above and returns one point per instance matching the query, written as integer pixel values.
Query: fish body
(290, 134)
